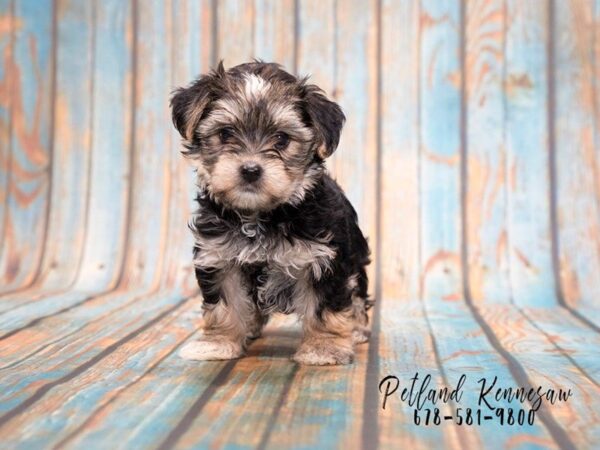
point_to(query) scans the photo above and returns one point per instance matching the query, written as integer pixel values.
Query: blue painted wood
(354, 164)
(274, 33)
(459, 345)
(190, 57)
(487, 178)
(440, 110)
(151, 159)
(126, 364)
(107, 212)
(6, 43)
(235, 47)
(316, 42)
(71, 149)
(529, 231)
(400, 254)
(27, 201)
(577, 156)
(90, 336)
(94, 363)
(103, 252)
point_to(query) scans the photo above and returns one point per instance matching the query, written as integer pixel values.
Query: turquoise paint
(528, 211)
(5, 42)
(152, 153)
(440, 137)
(274, 25)
(577, 195)
(29, 221)
(107, 215)
(71, 147)
(463, 350)
(486, 152)
(158, 248)
(63, 357)
(353, 168)
(91, 394)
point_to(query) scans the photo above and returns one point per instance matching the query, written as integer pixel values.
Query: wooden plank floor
(101, 376)
(472, 156)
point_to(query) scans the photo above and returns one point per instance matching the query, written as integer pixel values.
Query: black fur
(322, 211)
(325, 209)
(325, 116)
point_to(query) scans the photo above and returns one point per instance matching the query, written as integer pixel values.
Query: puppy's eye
(225, 134)
(281, 141)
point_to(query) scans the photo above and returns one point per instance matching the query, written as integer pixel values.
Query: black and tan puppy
(273, 232)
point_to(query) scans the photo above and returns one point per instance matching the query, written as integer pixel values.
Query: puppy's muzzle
(251, 172)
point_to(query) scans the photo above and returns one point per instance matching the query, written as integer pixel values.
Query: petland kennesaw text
(505, 405)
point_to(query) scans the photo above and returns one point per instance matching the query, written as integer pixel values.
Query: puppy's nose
(251, 171)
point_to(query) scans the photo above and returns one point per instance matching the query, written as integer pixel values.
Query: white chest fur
(251, 246)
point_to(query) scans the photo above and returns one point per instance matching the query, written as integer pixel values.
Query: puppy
(273, 231)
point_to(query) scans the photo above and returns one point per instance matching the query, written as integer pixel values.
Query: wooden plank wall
(471, 152)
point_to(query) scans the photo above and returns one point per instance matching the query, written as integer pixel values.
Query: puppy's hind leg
(228, 323)
(357, 284)
(328, 339)
(257, 323)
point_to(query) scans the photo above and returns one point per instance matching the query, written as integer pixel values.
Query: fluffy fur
(273, 232)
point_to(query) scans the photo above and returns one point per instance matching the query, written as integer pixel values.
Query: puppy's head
(256, 134)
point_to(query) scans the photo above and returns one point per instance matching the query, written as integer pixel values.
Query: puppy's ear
(188, 104)
(327, 119)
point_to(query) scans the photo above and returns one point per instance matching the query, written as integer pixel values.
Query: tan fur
(193, 118)
(327, 339)
(323, 152)
(228, 325)
(255, 87)
(290, 257)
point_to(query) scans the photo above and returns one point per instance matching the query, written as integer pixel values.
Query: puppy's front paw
(361, 335)
(324, 353)
(211, 350)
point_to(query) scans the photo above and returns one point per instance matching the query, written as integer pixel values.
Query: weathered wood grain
(546, 366)
(275, 29)
(263, 377)
(485, 176)
(6, 48)
(235, 31)
(596, 92)
(527, 102)
(399, 122)
(112, 98)
(152, 152)
(90, 344)
(191, 55)
(578, 240)
(25, 331)
(71, 148)
(30, 69)
(439, 136)
(316, 43)
(407, 348)
(101, 382)
(178, 390)
(568, 335)
(460, 346)
(169, 387)
(103, 250)
(321, 408)
(354, 165)
(464, 348)
(472, 142)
